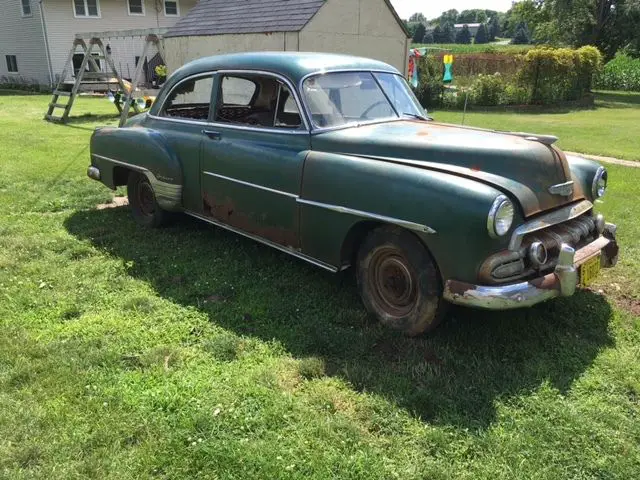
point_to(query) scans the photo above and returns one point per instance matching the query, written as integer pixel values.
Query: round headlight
(599, 185)
(500, 217)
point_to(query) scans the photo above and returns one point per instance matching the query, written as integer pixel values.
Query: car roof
(293, 65)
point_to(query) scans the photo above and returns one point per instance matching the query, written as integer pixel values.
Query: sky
(433, 9)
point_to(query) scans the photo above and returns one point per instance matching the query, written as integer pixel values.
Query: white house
(369, 28)
(36, 35)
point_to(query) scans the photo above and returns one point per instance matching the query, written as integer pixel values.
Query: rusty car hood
(522, 167)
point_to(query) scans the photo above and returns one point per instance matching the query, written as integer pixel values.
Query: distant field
(482, 48)
(612, 128)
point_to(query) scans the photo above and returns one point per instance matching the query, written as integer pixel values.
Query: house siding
(62, 26)
(22, 37)
(181, 50)
(365, 28)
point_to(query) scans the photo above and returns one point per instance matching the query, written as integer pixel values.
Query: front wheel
(142, 200)
(399, 282)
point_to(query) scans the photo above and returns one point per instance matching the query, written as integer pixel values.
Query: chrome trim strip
(553, 218)
(374, 216)
(168, 195)
(124, 164)
(260, 187)
(269, 243)
(563, 189)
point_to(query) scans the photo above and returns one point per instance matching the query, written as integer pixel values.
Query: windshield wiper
(415, 115)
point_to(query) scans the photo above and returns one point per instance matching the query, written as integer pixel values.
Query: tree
(464, 35)
(418, 35)
(438, 35)
(522, 36)
(448, 33)
(493, 29)
(481, 35)
(428, 38)
(418, 18)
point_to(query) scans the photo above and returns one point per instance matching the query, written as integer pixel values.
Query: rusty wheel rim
(146, 199)
(392, 282)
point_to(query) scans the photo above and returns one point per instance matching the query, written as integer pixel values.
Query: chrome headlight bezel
(501, 206)
(599, 183)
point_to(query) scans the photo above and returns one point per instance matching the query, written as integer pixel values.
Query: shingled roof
(217, 17)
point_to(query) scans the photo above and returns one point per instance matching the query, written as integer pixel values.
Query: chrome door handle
(213, 135)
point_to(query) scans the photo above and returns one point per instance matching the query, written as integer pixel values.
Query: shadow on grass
(451, 377)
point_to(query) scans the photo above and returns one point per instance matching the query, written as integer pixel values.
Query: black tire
(399, 282)
(142, 200)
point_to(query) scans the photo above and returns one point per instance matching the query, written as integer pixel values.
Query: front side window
(86, 8)
(342, 98)
(257, 101)
(26, 8)
(136, 7)
(171, 8)
(190, 99)
(12, 64)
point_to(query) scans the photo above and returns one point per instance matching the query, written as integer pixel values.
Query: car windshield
(342, 98)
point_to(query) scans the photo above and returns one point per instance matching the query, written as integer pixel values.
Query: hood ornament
(562, 189)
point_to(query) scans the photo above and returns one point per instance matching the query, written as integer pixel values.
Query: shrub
(429, 91)
(558, 74)
(488, 90)
(621, 73)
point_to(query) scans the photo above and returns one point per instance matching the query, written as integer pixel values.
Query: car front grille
(509, 266)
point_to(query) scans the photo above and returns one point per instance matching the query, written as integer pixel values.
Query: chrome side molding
(373, 216)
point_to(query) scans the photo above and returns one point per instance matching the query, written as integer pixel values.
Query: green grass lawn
(191, 353)
(612, 128)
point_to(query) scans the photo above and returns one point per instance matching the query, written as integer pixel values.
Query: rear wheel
(142, 199)
(399, 282)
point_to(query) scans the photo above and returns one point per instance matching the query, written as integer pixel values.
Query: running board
(289, 250)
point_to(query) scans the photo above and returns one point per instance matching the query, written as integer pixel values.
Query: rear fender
(117, 151)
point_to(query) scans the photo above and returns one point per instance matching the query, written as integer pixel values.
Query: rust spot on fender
(225, 211)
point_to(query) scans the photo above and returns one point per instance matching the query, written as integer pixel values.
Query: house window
(26, 8)
(136, 7)
(12, 64)
(171, 8)
(86, 8)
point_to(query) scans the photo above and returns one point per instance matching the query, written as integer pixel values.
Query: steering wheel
(364, 115)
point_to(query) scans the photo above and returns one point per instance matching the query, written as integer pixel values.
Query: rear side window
(237, 91)
(190, 99)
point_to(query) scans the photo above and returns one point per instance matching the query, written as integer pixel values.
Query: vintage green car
(331, 158)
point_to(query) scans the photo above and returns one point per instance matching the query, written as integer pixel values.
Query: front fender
(139, 149)
(583, 172)
(453, 208)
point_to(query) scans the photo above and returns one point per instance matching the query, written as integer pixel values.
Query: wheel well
(120, 175)
(354, 239)
(359, 232)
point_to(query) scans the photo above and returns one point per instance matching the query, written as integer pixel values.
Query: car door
(253, 155)
(183, 116)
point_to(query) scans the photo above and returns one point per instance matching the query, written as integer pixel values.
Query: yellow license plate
(589, 270)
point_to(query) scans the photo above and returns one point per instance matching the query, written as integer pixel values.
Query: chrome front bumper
(561, 283)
